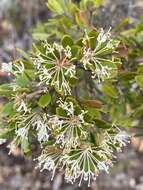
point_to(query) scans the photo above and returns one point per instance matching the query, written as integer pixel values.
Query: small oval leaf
(45, 100)
(67, 41)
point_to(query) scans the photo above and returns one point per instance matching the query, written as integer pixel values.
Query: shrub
(72, 94)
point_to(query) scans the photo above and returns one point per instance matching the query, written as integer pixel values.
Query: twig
(35, 94)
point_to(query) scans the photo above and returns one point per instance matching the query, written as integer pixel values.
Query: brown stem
(34, 94)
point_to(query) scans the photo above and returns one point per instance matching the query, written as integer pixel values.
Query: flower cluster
(50, 159)
(97, 59)
(70, 128)
(84, 163)
(55, 66)
(72, 153)
(28, 122)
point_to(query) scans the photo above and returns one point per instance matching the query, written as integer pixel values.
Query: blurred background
(18, 18)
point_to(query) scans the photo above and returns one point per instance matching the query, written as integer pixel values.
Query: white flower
(103, 37)
(42, 131)
(38, 62)
(67, 106)
(68, 52)
(60, 139)
(103, 166)
(101, 72)
(117, 139)
(19, 68)
(82, 164)
(23, 107)
(45, 76)
(12, 147)
(49, 165)
(122, 137)
(6, 67)
(95, 64)
(50, 159)
(40, 124)
(94, 59)
(70, 128)
(35, 122)
(22, 132)
(86, 38)
(55, 122)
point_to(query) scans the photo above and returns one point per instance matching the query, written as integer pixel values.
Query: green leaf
(92, 38)
(44, 100)
(110, 90)
(8, 109)
(91, 3)
(75, 49)
(40, 35)
(93, 113)
(61, 112)
(67, 41)
(23, 53)
(6, 90)
(67, 22)
(102, 124)
(139, 80)
(126, 123)
(72, 81)
(140, 70)
(56, 6)
(22, 80)
(30, 74)
(127, 75)
(26, 147)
